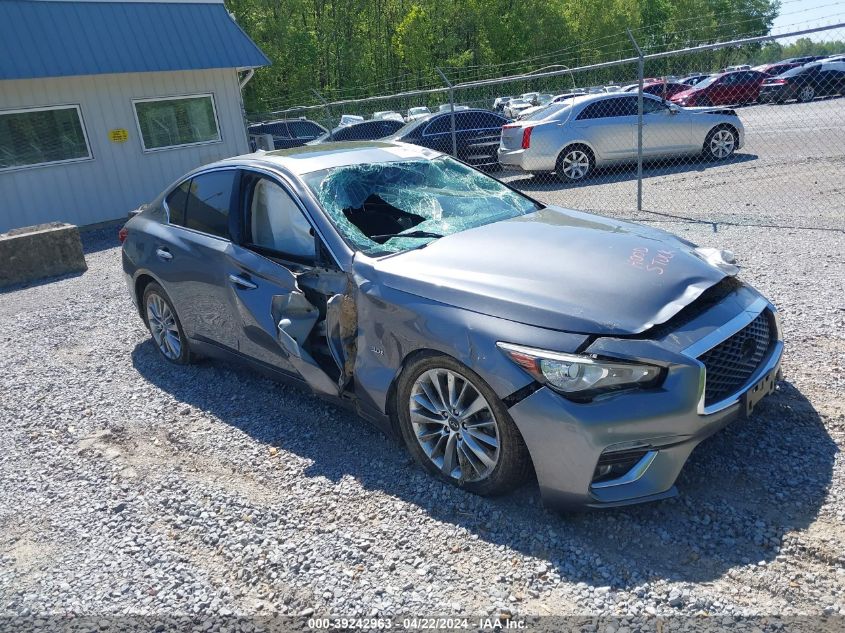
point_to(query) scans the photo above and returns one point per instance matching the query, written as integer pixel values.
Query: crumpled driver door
(276, 316)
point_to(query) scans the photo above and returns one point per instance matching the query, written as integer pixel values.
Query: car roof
(600, 96)
(308, 158)
(355, 124)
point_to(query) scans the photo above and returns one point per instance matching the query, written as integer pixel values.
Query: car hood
(558, 269)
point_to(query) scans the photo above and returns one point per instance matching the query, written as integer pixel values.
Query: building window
(177, 121)
(42, 136)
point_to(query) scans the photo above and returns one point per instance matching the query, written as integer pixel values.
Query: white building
(103, 103)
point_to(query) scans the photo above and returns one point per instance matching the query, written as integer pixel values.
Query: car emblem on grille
(749, 347)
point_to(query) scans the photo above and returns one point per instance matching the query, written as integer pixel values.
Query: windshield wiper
(421, 234)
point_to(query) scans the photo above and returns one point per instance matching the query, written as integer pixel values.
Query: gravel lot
(129, 486)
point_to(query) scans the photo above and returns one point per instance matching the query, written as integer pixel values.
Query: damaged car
(500, 338)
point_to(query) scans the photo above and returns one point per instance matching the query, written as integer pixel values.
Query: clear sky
(800, 14)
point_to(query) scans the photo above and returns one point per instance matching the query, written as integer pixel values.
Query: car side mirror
(674, 109)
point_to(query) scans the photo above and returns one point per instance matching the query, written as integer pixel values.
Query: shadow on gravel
(740, 493)
(100, 239)
(623, 173)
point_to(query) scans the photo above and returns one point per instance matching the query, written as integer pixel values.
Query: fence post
(328, 112)
(452, 110)
(640, 73)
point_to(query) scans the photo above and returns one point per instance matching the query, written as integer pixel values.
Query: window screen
(208, 202)
(178, 121)
(42, 136)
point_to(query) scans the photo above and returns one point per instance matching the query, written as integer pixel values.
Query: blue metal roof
(59, 39)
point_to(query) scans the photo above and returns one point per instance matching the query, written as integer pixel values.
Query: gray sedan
(498, 337)
(598, 130)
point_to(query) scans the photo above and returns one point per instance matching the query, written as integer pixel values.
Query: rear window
(800, 70)
(305, 128)
(177, 202)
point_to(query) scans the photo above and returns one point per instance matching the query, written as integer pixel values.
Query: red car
(660, 88)
(739, 86)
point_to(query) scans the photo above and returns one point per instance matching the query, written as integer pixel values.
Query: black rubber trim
(521, 394)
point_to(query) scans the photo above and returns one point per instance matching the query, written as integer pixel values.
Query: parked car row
(488, 139)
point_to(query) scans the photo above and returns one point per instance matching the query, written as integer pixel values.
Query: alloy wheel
(722, 143)
(575, 164)
(163, 327)
(454, 425)
(807, 94)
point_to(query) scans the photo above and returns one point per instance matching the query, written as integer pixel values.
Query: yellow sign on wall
(119, 135)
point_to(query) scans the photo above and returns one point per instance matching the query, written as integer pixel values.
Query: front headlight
(579, 376)
(723, 260)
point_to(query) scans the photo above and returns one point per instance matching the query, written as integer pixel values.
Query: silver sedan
(597, 130)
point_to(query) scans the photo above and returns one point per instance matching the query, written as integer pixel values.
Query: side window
(276, 223)
(440, 124)
(624, 106)
(177, 201)
(652, 105)
(208, 202)
(592, 111)
(488, 121)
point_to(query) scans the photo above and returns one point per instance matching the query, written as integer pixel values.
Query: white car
(500, 103)
(388, 115)
(349, 119)
(445, 107)
(417, 113)
(515, 107)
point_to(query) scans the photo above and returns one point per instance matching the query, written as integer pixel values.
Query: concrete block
(36, 252)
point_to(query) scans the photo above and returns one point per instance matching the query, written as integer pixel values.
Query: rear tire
(164, 325)
(457, 429)
(806, 94)
(574, 164)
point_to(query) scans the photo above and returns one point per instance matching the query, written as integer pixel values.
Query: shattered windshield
(382, 208)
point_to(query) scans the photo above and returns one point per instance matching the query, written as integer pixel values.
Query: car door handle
(243, 283)
(164, 254)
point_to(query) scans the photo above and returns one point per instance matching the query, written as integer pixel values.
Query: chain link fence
(705, 134)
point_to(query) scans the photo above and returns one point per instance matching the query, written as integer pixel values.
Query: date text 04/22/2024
(417, 624)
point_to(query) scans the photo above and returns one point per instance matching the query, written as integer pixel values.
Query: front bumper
(566, 440)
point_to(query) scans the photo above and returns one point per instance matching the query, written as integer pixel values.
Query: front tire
(164, 326)
(457, 428)
(574, 163)
(720, 143)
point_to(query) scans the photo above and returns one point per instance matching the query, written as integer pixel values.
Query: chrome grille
(733, 361)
